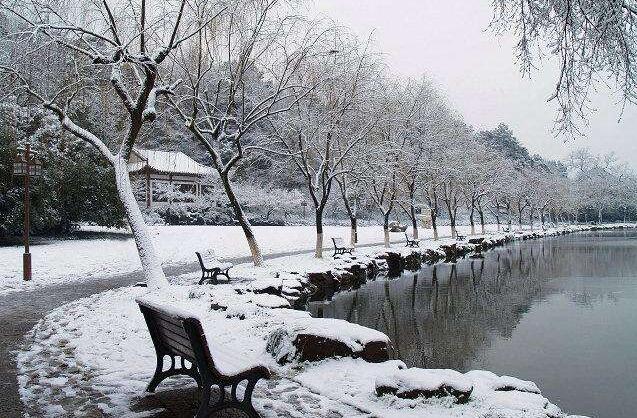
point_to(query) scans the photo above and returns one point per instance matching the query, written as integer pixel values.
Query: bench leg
(213, 278)
(247, 399)
(204, 407)
(245, 405)
(174, 370)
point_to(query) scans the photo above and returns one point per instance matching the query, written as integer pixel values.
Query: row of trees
(259, 88)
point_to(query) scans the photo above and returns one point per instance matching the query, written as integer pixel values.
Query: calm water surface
(561, 312)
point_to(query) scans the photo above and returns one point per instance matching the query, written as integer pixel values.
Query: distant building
(153, 171)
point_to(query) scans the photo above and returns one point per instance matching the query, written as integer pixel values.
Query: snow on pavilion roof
(167, 162)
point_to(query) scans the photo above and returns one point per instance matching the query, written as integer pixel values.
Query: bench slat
(169, 342)
(177, 329)
(170, 319)
(175, 336)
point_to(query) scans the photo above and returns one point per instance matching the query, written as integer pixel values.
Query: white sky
(448, 40)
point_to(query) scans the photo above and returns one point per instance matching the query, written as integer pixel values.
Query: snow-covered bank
(95, 356)
(99, 348)
(67, 261)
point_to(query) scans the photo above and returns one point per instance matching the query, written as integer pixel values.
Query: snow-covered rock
(315, 339)
(415, 383)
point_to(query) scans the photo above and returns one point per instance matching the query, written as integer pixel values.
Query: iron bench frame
(183, 339)
(211, 273)
(341, 249)
(411, 242)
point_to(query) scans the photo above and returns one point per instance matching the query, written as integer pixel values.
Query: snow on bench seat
(229, 358)
(213, 262)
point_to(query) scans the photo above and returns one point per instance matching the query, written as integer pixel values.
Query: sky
(449, 41)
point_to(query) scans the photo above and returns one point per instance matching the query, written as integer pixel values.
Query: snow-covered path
(66, 261)
(21, 311)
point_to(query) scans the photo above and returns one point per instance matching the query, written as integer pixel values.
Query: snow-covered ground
(98, 348)
(95, 355)
(64, 261)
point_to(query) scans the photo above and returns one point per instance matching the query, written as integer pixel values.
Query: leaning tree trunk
(472, 221)
(257, 257)
(151, 264)
(481, 213)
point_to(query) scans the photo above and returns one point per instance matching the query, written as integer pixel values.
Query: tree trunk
(599, 215)
(472, 221)
(386, 230)
(318, 252)
(452, 225)
(255, 251)
(353, 231)
(624, 212)
(452, 219)
(434, 224)
(531, 218)
(509, 218)
(414, 222)
(151, 263)
(481, 213)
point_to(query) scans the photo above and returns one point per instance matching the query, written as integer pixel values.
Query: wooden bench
(411, 242)
(212, 273)
(340, 247)
(181, 338)
(460, 237)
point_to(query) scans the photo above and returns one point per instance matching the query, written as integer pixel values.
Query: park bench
(460, 237)
(181, 337)
(211, 273)
(340, 247)
(411, 242)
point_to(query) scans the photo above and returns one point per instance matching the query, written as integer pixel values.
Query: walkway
(20, 311)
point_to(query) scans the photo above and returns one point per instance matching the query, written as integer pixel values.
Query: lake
(560, 311)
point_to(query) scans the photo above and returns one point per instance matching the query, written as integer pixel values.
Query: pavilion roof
(167, 162)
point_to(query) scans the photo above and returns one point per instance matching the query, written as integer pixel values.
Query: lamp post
(28, 166)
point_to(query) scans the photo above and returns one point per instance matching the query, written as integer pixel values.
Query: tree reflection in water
(443, 315)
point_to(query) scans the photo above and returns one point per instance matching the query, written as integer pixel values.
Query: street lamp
(27, 166)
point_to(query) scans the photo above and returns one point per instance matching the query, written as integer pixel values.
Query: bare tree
(123, 44)
(591, 40)
(240, 73)
(323, 135)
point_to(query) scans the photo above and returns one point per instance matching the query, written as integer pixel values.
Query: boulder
(416, 383)
(315, 339)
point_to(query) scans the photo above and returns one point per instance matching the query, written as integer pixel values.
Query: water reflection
(440, 315)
